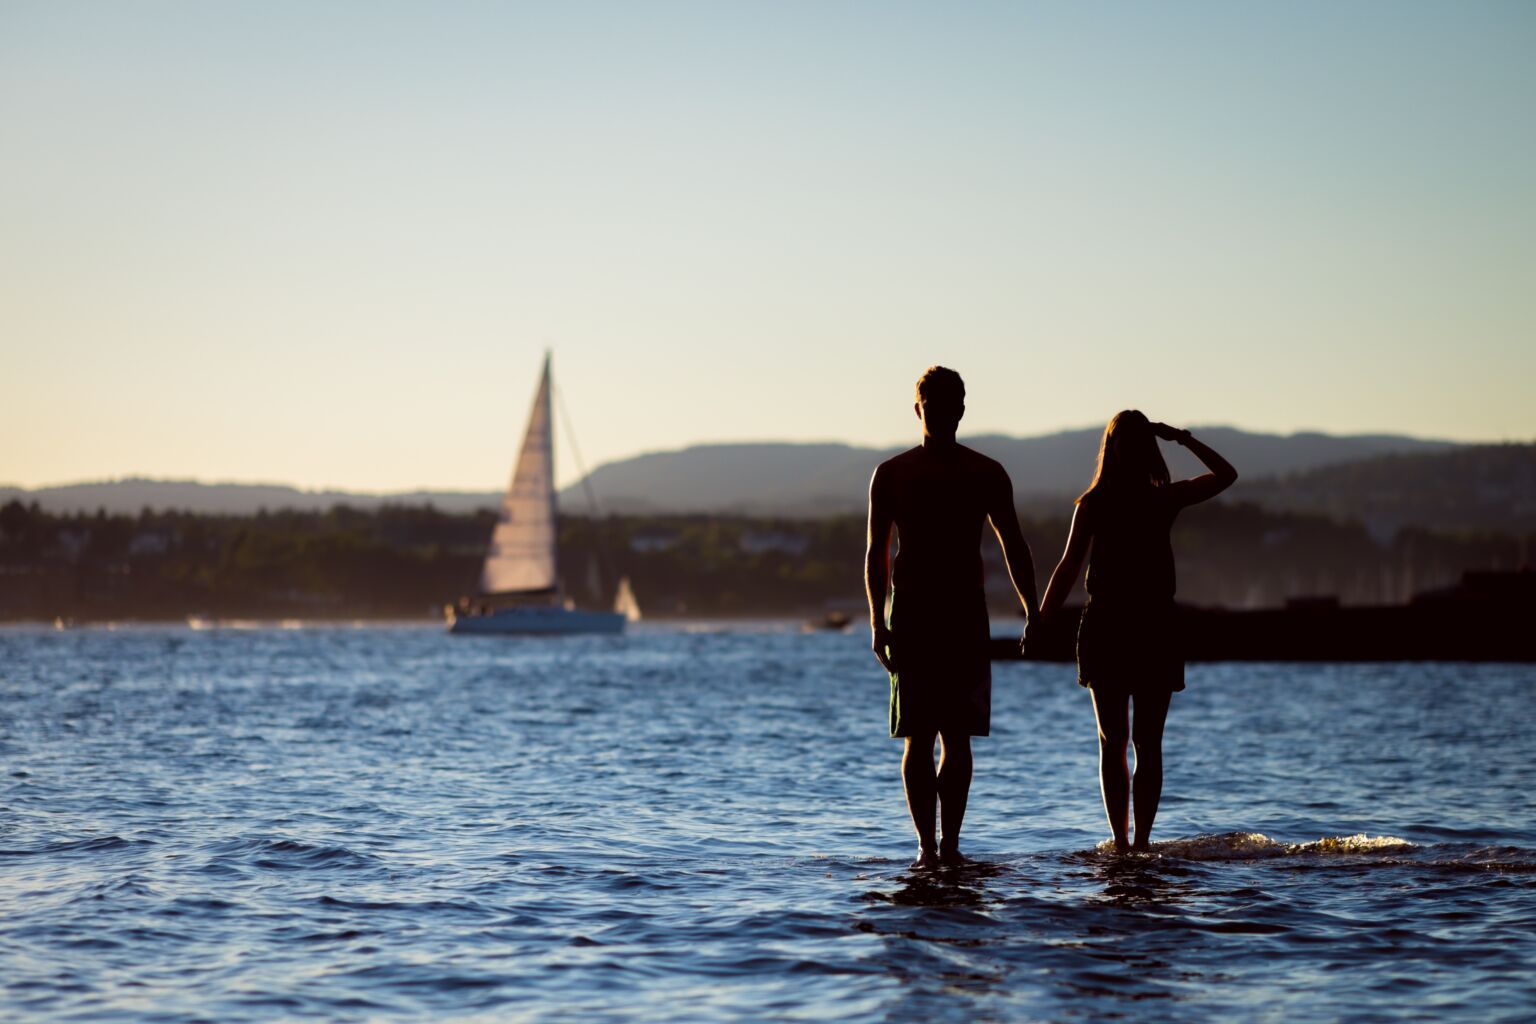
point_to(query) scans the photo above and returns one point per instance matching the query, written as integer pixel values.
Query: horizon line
(303, 488)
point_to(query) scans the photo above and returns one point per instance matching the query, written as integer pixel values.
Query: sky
(327, 244)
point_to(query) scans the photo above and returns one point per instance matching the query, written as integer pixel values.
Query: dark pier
(1489, 616)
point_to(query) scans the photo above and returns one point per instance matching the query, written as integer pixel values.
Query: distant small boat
(624, 601)
(520, 590)
(836, 622)
(199, 621)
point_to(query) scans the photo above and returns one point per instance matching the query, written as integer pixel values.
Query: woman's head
(1129, 459)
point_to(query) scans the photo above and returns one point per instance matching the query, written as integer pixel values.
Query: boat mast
(546, 395)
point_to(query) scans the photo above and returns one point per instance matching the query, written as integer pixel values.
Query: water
(375, 824)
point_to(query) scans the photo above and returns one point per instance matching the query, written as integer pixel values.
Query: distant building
(150, 542)
(646, 541)
(71, 542)
(755, 542)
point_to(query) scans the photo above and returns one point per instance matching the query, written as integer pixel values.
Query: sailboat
(625, 602)
(520, 590)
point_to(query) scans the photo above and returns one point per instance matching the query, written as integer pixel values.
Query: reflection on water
(1142, 883)
(1205, 924)
(384, 824)
(963, 886)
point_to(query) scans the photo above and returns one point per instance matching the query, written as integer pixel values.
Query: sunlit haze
(328, 244)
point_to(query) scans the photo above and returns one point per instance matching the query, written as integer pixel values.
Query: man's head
(940, 401)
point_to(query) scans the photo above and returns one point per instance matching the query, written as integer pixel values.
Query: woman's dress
(1128, 638)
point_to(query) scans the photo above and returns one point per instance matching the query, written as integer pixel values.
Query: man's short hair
(941, 383)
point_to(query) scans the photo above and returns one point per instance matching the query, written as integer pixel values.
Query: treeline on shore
(407, 561)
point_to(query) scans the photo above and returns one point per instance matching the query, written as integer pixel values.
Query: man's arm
(877, 570)
(1005, 523)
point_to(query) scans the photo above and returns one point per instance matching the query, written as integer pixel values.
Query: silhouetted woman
(1128, 651)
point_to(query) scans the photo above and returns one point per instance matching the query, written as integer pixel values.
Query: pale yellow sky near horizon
(327, 246)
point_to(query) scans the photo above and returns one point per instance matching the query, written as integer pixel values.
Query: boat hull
(554, 621)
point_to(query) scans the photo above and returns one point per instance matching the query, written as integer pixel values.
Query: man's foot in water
(927, 860)
(952, 857)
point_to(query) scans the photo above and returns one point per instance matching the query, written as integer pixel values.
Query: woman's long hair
(1129, 460)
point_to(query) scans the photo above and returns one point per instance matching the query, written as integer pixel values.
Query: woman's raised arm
(1201, 488)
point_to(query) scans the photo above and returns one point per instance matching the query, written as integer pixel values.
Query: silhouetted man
(938, 496)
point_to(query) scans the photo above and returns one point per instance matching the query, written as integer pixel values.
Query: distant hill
(132, 494)
(1481, 487)
(815, 479)
(762, 478)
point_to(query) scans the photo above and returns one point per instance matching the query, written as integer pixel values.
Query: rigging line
(586, 480)
(604, 556)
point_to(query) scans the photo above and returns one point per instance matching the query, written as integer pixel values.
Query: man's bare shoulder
(899, 465)
(983, 465)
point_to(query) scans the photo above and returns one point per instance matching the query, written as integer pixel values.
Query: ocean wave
(288, 854)
(95, 844)
(1221, 846)
(1384, 850)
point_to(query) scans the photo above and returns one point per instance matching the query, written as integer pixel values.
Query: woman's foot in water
(951, 857)
(927, 860)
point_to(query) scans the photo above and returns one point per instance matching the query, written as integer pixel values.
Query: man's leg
(917, 778)
(1112, 712)
(954, 788)
(1147, 785)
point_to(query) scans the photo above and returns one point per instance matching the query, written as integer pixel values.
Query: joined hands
(1037, 620)
(880, 643)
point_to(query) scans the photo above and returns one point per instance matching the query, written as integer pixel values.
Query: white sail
(624, 601)
(521, 559)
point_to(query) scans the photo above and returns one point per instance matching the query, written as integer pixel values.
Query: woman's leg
(1111, 712)
(1147, 737)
